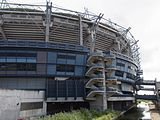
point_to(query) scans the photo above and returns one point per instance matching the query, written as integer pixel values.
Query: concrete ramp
(9, 108)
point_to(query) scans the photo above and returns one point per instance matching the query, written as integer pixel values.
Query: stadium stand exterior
(52, 61)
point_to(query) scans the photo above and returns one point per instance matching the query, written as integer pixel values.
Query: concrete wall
(97, 104)
(9, 108)
(11, 100)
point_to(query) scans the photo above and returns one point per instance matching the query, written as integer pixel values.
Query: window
(31, 67)
(66, 58)
(51, 69)
(31, 105)
(120, 64)
(52, 57)
(65, 68)
(71, 57)
(2, 59)
(79, 70)
(11, 67)
(69, 68)
(11, 59)
(60, 68)
(31, 60)
(80, 59)
(119, 73)
(8, 67)
(2, 66)
(21, 67)
(63, 56)
(130, 67)
(130, 76)
(21, 59)
(59, 56)
(17, 67)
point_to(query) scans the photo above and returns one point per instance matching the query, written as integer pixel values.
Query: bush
(82, 114)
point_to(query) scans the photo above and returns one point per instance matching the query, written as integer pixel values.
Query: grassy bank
(83, 114)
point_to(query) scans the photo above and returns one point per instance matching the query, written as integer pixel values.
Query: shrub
(82, 114)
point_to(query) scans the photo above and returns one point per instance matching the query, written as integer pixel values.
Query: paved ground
(155, 113)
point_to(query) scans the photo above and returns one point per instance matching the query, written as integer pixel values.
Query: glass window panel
(70, 61)
(79, 70)
(11, 67)
(3, 66)
(80, 59)
(51, 69)
(11, 59)
(2, 59)
(60, 68)
(69, 68)
(130, 76)
(60, 73)
(61, 56)
(69, 73)
(21, 59)
(65, 68)
(61, 61)
(31, 67)
(21, 67)
(120, 64)
(119, 73)
(52, 56)
(31, 59)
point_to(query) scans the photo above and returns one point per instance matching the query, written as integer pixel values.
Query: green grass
(83, 114)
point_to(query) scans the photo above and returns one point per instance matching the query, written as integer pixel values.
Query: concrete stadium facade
(58, 61)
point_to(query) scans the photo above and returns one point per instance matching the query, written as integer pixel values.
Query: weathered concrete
(10, 104)
(97, 104)
(9, 108)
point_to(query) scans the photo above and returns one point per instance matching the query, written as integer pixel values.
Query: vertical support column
(56, 89)
(104, 87)
(1, 29)
(66, 83)
(48, 21)
(44, 108)
(93, 40)
(93, 30)
(80, 30)
(156, 89)
(75, 84)
(46, 91)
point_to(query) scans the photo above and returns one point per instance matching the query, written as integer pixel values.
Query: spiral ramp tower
(101, 83)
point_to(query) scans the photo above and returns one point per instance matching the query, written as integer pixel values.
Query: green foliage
(83, 114)
(146, 101)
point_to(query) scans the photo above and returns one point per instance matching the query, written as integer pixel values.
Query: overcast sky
(141, 15)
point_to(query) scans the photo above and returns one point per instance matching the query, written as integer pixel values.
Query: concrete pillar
(80, 30)
(104, 87)
(48, 21)
(44, 107)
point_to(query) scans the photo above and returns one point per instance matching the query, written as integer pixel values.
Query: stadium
(54, 59)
